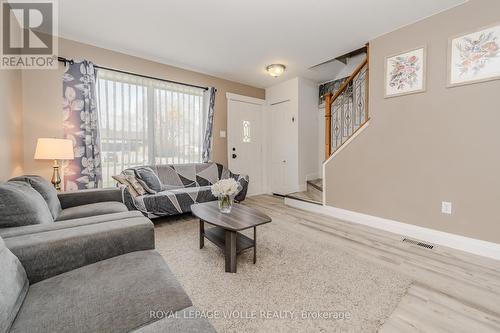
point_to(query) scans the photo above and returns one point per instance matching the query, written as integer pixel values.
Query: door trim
(245, 99)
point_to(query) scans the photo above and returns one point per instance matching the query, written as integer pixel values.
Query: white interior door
(283, 157)
(244, 139)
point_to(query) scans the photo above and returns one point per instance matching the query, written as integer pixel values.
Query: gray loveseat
(98, 273)
(172, 189)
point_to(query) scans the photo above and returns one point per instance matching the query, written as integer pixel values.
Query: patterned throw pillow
(133, 186)
(146, 187)
(131, 172)
(148, 176)
(123, 181)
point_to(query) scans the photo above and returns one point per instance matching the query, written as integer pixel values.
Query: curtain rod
(71, 61)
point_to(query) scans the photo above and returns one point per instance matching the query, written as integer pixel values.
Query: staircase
(346, 111)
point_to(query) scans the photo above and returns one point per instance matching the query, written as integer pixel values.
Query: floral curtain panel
(207, 141)
(80, 125)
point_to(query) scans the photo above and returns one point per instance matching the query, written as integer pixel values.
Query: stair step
(316, 184)
(313, 193)
(304, 196)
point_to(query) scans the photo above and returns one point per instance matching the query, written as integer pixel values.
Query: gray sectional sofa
(93, 268)
(172, 189)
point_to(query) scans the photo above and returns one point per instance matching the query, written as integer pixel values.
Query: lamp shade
(54, 149)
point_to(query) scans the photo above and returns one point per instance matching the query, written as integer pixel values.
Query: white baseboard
(256, 194)
(466, 244)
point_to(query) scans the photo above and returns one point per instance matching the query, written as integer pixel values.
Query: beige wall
(10, 124)
(42, 91)
(421, 149)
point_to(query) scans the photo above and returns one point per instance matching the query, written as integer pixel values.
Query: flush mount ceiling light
(275, 70)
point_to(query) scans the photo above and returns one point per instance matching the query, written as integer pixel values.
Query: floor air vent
(415, 242)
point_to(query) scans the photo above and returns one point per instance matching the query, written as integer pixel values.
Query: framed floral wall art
(405, 73)
(474, 57)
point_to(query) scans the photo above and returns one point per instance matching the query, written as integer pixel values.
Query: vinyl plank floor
(453, 291)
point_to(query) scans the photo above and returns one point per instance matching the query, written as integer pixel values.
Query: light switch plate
(446, 207)
(222, 134)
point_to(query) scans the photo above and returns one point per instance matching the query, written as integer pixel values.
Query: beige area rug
(299, 271)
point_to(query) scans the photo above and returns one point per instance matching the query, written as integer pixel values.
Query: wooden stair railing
(346, 111)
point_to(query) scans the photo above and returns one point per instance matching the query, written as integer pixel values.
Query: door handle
(234, 156)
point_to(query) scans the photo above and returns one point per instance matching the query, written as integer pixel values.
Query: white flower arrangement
(225, 187)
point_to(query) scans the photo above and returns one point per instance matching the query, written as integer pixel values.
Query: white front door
(244, 139)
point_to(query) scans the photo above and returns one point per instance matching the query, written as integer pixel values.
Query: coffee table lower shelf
(231, 242)
(218, 236)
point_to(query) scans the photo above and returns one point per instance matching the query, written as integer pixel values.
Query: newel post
(328, 125)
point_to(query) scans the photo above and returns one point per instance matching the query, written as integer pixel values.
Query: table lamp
(54, 149)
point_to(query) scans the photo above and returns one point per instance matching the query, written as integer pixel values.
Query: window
(146, 122)
(246, 131)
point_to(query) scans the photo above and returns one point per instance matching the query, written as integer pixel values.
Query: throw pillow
(146, 187)
(135, 184)
(46, 190)
(131, 172)
(21, 204)
(121, 179)
(148, 176)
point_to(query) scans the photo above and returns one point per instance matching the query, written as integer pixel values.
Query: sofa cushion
(114, 295)
(207, 174)
(175, 201)
(13, 287)
(46, 190)
(21, 204)
(149, 177)
(37, 228)
(85, 197)
(94, 209)
(171, 187)
(186, 173)
(46, 254)
(169, 177)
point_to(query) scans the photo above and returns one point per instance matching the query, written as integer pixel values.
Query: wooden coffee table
(225, 233)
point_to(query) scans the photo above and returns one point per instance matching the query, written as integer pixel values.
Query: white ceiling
(236, 39)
